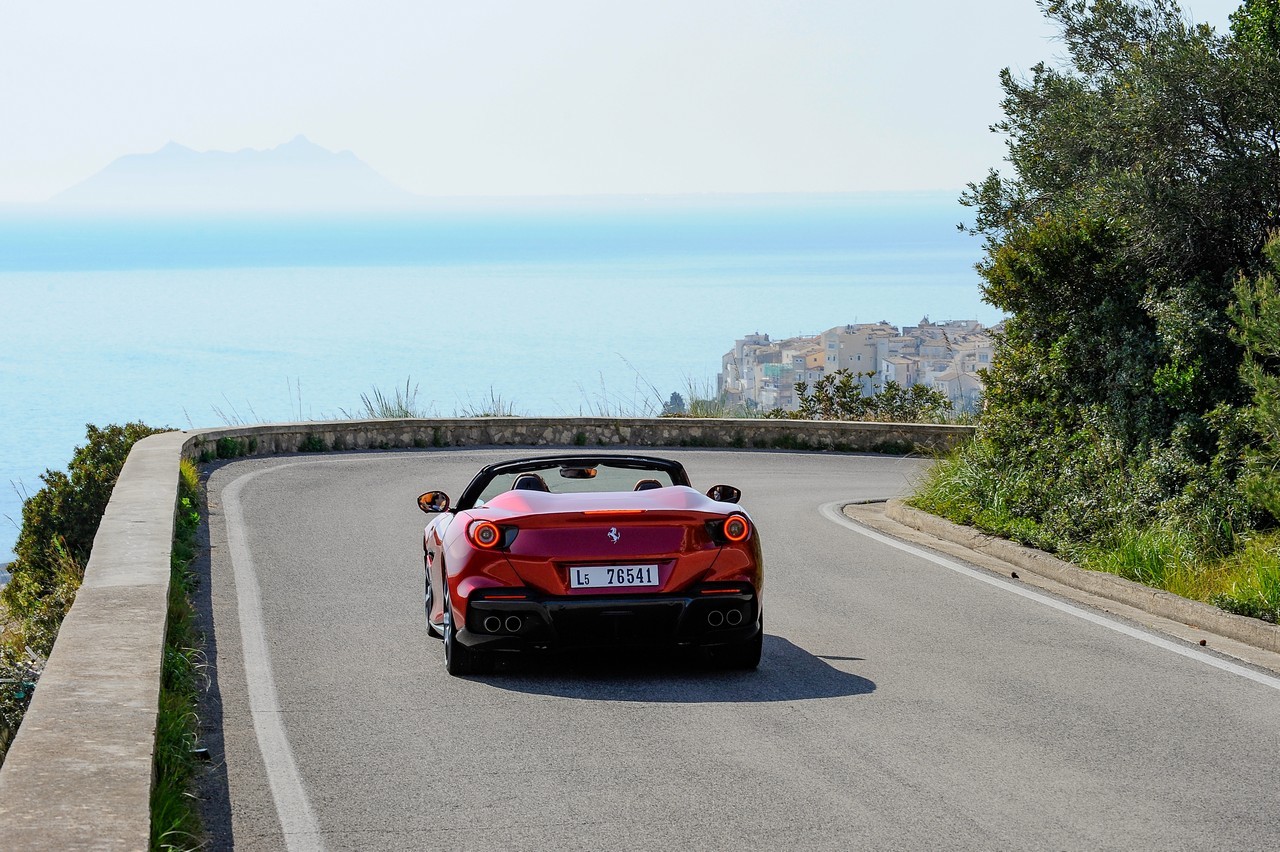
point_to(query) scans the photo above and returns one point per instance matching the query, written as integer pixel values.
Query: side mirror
(724, 494)
(434, 502)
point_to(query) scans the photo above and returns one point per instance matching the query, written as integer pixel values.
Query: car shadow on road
(787, 673)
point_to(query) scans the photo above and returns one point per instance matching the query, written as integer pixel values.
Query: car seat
(529, 482)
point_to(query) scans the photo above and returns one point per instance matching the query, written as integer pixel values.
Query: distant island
(297, 175)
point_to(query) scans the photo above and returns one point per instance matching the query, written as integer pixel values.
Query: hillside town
(762, 373)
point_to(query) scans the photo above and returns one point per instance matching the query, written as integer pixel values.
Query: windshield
(570, 480)
(573, 474)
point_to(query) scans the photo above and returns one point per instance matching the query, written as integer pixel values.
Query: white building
(946, 356)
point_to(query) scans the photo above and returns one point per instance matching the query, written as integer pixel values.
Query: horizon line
(416, 202)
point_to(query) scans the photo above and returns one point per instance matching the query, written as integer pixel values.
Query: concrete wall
(79, 772)
(590, 432)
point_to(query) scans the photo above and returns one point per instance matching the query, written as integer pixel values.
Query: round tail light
(485, 535)
(736, 528)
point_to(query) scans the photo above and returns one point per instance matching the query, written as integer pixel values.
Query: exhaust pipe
(514, 623)
(734, 617)
(715, 618)
(493, 624)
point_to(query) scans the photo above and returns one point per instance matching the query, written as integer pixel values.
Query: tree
(1257, 315)
(1145, 179)
(1257, 24)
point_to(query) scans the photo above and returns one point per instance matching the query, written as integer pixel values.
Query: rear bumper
(612, 621)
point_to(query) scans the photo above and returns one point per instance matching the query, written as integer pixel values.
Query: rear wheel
(744, 656)
(459, 660)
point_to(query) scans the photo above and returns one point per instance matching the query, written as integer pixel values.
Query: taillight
(484, 535)
(736, 528)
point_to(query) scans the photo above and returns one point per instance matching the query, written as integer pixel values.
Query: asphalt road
(899, 705)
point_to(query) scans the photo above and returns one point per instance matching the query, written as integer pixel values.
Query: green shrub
(231, 448)
(59, 522)
(58, 525)
(1256, 313)
(840, 396)
(19, 672)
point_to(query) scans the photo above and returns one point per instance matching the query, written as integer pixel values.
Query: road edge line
(293, 807)
(1202, 616)
(835, 512)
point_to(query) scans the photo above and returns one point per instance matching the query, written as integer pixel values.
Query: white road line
(297, 820)
(834, 512)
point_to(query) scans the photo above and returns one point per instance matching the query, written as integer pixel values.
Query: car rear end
(614, 574)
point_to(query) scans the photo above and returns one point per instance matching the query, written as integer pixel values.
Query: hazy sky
(545, 97)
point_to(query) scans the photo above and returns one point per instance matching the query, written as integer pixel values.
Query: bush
(19, 671)
(60, 520)
(58, 525)
(839, 396)
(1257, 317)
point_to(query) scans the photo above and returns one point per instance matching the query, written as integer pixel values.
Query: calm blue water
(587, 308)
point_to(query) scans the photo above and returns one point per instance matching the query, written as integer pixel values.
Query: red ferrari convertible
(589, 551)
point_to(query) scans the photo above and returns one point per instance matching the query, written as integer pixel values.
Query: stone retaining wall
(590, 432)
(79, 772)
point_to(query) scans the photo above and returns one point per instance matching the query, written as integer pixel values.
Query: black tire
(459, 660)
(744, 656)
(429, 600)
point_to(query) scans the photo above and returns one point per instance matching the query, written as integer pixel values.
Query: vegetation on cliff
(1131, 410)
(839, 396)
(58, 525)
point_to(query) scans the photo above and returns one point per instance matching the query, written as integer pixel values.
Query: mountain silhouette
(297, 175)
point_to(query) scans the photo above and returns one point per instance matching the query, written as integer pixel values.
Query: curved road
(900, 704)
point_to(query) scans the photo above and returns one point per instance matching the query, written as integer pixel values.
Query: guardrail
(79, 772)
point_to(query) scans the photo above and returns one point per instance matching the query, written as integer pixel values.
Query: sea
(602, 306)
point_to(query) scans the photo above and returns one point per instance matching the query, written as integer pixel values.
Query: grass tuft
(1252, 580)
(401, 405)
(494, 406)
(175, 818)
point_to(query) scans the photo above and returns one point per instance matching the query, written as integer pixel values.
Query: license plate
(609, 576)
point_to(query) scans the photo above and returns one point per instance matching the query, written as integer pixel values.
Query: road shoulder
(1187, 621)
